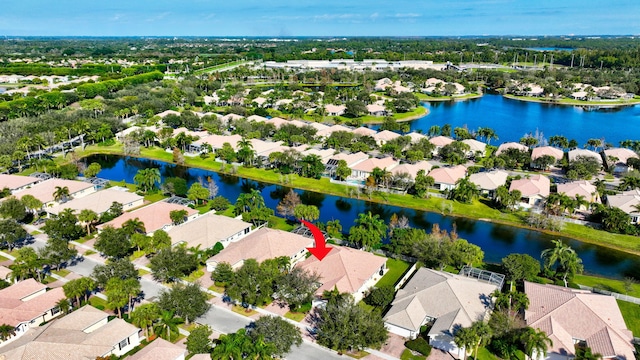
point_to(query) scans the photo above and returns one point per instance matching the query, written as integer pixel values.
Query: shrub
(420, 345)
(220, 203)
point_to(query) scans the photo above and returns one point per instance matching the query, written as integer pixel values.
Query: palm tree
(629, 183)
(466, 338)
(61, 194)
(584, 353)
(245, 151)
(144, 316)
(564, 258)
(146, 179)
(133, 226)
(232, 346)
(7, 331)
(169, 322)
(89, 218)
(536, 342)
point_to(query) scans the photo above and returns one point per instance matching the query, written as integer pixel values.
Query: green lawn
(61, 272)
(407, 355)
(397, 268)
(276, 222)
(2, 258)
(98, 302)
(295, 316)
(631, 315)
(606, 284)
(574, 102)
(197, 274)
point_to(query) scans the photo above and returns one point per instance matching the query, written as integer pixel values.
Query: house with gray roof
(443, 300)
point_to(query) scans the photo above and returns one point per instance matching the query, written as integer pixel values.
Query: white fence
(618, 296)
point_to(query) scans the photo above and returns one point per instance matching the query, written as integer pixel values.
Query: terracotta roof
(475, 145)
(326, 132)
(453, 300)
(573, 154)
(372, 163)
(277, 122)
(386, 135)
(566, 314)
(535, 185)
(412, 169)
(261, 146)
(168, 112)
(373, 108)
(558, 154)
(217, 141)
(22, 289)
(415, 137)
(345, 268)
(4, 272)
(261, 245)
(207, 230)
(160, 349)
(335, 108)
(14, 310)
(441, 141)
(318, 126)
(351, 159)
(257, 118)
(154, 216)
(16, 181)
(99, 201)
(364, 131)
(580, 187)
(625, 201)
(511, 145)
(623, 154)
(44, 190)
(448, 175)
(489, 180)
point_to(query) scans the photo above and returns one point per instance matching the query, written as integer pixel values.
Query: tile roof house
(416, 137)
(334, 110)
(217, 141)
(257, 118)
(511, 145)
(161, 349)
(349, 270)
(570, 317)
(622, 154)
(154, 216)
(262, 244)
(384, 136)
(534, 190)
(100, 201)
(44, 190)
(208, 229)
(573, 154)
(377, 110)
(627, 202)
(17, 182)
(412, 169)
(364, 131)
(489, 181)
(440, 141)
(556, 153)
(363, 169)
(28, 304)
(475, 146)
(446, 300)
(326, 132)
(446, 177)
(83, 334)
(581, 188)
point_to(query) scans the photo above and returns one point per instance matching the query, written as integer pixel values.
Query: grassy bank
(425, 97)
(479, 209)
(414, 114)
(572, 102)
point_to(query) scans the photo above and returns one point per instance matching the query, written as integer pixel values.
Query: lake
(512, 119)
(496, 240)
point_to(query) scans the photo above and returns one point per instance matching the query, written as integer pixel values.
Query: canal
(496, 240)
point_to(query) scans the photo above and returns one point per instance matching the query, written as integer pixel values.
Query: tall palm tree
(232, 346)
(61, 194)
(169, 322)
(144, 316)
(245, 151)
(466, 338)
(564, 258)
(146, 179)
(89, 218)
(133, 226)
(536, 342)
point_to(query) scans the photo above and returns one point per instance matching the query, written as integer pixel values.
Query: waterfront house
(206, 230)
(445, 301)
(617, 158)
(439, 142)
(154, 216)
(534, 190)
(572, 318)
(362, 170)
(580, 188)
(83, 334)
(326, 132)
(335, 110)
(475, 147)
(377, 110)
(350, 159)
(262, 244)
(489, 181)
(349, 270)
(412, 169)
(217, 141)
(627, 201)
(44, 190)
(510, 145)
(100, 201)
(445, 178)
(584, 153)
(416, 137)
(17, 182)
(257, 118)
(541, 151)
(27, 304)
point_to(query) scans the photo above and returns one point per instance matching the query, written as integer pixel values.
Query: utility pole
(572, 60)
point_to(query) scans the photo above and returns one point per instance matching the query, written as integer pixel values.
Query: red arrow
(320, 250)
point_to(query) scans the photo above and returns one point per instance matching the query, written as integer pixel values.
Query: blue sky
(318, 18)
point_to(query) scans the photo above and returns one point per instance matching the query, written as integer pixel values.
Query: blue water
(511, 119)
(496, 240)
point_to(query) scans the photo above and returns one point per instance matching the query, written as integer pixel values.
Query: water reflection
(343, 205)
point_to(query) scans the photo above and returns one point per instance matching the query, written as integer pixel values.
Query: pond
(496, 240)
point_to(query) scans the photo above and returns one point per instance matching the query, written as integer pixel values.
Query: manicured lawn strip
(606, 284)
(397, 268)
(98, 302)
(197, 274)
(242, 311)
(295, 316)
(357, 355)
(61, 272)
(2, 258)
(476, 210)
(573, 102)
(484, 354)
(142, 272)
(407, 355)
(631, 315)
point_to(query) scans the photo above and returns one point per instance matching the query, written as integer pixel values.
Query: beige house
(416, 137)
(627, 201)
(17, 182)
(364, 131)
(83, 334)
(412, 169)
(161, 349)
(439, 142)
(349, 270)
(206, 230)
(475, 147)
(154, 216)
(511, 145)
(575, 153)
(334, 110)
(554, 152)
(385, 136)
(572, 318)
(100, 201)
(377, 110)
(44, 190)
(262, 244)
(326, 132)
(489, 181)
(534, 190)
(580, 188)
(27, 304)
(445, 300)
(363, 169)
(445, 178)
